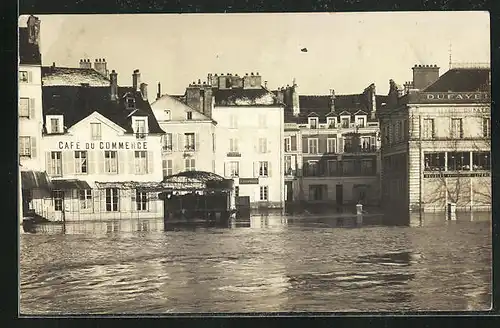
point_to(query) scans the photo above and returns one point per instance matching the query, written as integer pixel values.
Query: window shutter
(173, 138)
(372, 142)
(96, 198)
(305, 146)
(32, 107)
(131, 162)
(164, 167)
(269, 146)
(66, 163)
(176, 169)
(269, 169)
(33, 147)
(255, 169)
(341, 145)
(321, 145)
(30, 77)
(121, 162)
(133, 205)
(226, 169)
(180, 141)
(197, 141)
(48, 167)
(100, 163)
(151, 162)
(293, 142)
(91, 162)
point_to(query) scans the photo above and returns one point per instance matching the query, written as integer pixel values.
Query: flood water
(269, 264)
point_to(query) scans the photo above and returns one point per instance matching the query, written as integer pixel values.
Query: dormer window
(313, 122)
(54, 124)
(130, 103)
(360, 121)
(140, 126)
(189, 115)
(331, 122)
(345, 121)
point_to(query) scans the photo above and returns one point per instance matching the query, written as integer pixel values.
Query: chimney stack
(158, 95)
(34, 30)
(85, 63)
(424, 75)
(332, 100)
(100, 66)
(136, 80)
(144, 91)
(113, 78)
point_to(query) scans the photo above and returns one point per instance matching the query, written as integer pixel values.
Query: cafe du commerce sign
(454, 97)
(102, 145)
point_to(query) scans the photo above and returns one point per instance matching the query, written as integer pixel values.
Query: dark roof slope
(76, 103)
(244, 97)
(70, 76)
(462, 80)
(29, 53)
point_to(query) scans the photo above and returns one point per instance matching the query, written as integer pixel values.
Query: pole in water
(359, 213)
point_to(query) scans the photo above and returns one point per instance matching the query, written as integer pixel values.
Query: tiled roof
(78, 102)
(29, 53)
(462, 80)
(244, 97)
(59, 76)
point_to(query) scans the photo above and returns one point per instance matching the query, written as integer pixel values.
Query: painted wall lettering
(104, 145)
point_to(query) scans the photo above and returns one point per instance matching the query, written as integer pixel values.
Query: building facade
(101, 147)
(189, 141)
(331, 147)
(436, 134)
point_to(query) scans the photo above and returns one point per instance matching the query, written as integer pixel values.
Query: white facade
(249, 149)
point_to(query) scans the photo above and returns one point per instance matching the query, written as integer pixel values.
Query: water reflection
(266, 263)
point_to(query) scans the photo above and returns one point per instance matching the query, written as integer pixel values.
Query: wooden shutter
(269, 146)
(96, 196)
(173, 138)
(176, 168)
(372, 142)
(32, 107)
(196, 141)
(341, 145)
(48, 166)
(164, 167)
(131, 161)
(66, 161)
(180, 141)
(33, 147)
(30, 77)
(121, 161)
(101, 161)
(133, 205)
(186, 164)
(150, 162)
(256, 169)
(293, 143)
(269, 169)
(305, 146)
(322, 145)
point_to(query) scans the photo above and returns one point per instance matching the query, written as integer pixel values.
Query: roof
(197, 180)
(244, 97)
(462, 80)
(29, 53)
(69, 184)
(35, 180)
(69, 76)
(78, 102)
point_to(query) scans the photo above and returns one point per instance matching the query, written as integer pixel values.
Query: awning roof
(35, 180)
(70, 184)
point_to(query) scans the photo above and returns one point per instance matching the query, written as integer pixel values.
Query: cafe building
(101, 147)
(436, 141)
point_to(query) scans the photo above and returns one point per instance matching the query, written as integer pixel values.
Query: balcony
(360, 149)
(141, 136)
(189, 148)
(167, 149)
(233, 154)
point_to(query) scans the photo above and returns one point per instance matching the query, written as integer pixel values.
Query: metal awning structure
(64, 184)
(35, 180)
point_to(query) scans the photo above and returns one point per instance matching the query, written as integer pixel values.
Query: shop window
(481, 161)
(86, 199)
(111, 199)
(434, 161)
(458, 161)
(57, 197)
(141, 200)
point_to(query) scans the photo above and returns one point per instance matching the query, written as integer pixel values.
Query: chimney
(100, 66)
(33, 30)
(53, 64)
(144, 91)
(265, 84)
(280, 95)
(332, 100)
(372, 94)
(113, 80)
(193, 97)
(222, 82)
(136, 79)
(158, 94)
(295, 100)
(424, 75)
(206, 100)
(85, 63)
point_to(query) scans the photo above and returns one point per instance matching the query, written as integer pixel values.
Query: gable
(345, 113)
(361, 112)
(178, 110)
(313, 114)
(108, 127)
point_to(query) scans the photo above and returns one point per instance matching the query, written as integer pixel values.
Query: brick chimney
(280, 95)
(100, 66)
(136, 80)
(371, 95)
(85, 63)
(252, 81)
(332, 100)
(144, 91)
(158, 94)
(223, 81)
(424, 75)
(295, 99)
(33, 30)
(113, 81)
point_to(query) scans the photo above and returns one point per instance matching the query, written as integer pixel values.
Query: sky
(345, 51)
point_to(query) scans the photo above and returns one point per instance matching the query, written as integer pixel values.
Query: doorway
(289, 191)
(339, 194)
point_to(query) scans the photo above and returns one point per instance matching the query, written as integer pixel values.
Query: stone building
(436, 140)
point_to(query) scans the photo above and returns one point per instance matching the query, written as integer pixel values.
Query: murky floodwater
(267, 265)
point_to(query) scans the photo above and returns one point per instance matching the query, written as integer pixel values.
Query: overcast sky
(346, 51)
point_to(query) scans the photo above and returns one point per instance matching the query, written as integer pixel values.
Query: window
(23, 76)
(111, 195)
(167, 142)
(312, 145)
(348, 145)
(233, 145)
(428, 132)
(233, 169)
(95, 130)
(167, 167)
(190, 164)
(141, 200)
(167, 115)
(264, 193)
(486, 127)
(458, 161)
(85, 199)
(313, 123)
(24, 107)
(233, 121)
(263, 169)
(56, 163)
(237, 191)
(366, 144)
(481, 161)
(189, 143)
(317, 192)
(141, 166)
(345, 121)
(140, 128)
(80, 162)
(434, 161)
(348, 167)
(360, 122)
(57, 197)
(312, 169)
(262, 145)
(456, 128)
(367, 167)
(262, 121)
(331, 145)
(110, 161)
(288, 144)
(331, 121)
(288, 165)
(25, 146)
(54, 126)
(130, 103)
(332, 168)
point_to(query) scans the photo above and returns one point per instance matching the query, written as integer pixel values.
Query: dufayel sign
(453, 97)
(102, 145)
